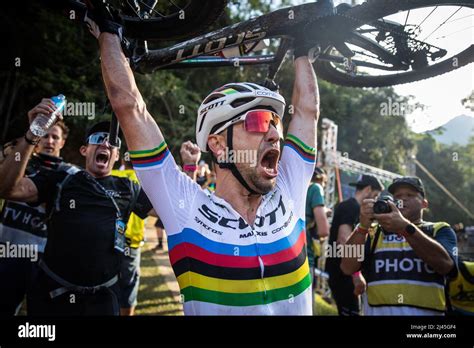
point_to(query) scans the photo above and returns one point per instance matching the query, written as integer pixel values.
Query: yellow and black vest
(396, 276)
(461, 289)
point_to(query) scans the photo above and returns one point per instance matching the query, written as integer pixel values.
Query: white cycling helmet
(233, 99)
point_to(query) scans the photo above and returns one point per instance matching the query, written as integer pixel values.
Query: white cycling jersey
(223, 265)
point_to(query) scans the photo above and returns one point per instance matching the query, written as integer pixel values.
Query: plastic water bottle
(42, 123)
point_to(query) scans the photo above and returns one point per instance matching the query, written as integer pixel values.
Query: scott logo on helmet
(212, 106)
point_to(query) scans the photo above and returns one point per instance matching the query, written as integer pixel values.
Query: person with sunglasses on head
(86, 215)
(242, 249)
(21, 224)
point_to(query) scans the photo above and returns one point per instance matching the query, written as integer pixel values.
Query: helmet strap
(231, 166)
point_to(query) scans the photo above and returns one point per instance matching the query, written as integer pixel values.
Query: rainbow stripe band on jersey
(304, 151)
(150, 158)
(211, 272)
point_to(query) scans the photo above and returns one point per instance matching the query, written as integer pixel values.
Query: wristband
(361, 229)
(356, 274)
(31, 142)
(189, 167)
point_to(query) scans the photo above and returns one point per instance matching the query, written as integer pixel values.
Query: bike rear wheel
(372, 18)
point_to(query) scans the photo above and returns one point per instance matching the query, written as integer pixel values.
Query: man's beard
(252, 178)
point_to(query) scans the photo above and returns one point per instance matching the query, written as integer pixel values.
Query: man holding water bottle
(87, 211)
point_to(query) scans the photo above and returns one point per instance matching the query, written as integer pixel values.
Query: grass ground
(321, 307)
(154, 297)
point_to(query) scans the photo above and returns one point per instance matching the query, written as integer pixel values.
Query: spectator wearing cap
(407, 259)
(346, 289)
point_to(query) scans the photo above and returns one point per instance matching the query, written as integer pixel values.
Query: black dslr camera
(381, 205)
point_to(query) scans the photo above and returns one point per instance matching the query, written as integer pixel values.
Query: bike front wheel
(169, 19)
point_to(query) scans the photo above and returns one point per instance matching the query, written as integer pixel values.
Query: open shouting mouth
(102, 158)
(269, 162)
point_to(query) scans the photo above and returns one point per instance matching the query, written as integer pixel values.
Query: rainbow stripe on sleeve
(306, 152)
(150, 158)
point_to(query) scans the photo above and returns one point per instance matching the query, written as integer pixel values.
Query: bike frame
(189, 53)
(284, 23)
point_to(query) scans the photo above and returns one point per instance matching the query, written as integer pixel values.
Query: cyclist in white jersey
(241, 250)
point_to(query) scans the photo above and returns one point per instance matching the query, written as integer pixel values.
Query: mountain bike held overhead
(377, 43)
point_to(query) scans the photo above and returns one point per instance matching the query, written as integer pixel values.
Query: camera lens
(381, 206)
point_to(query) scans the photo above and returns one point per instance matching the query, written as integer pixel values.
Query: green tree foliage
(453, 166)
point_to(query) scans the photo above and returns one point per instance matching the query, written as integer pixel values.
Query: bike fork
(275, 66)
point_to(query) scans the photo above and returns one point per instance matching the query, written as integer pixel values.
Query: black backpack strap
(71, 171)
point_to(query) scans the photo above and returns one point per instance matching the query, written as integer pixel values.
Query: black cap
(319, 172)
(412, 181)
(103, 126)
(368, 180)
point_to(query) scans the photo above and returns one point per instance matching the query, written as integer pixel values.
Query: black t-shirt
(80, 245)
(346, 213)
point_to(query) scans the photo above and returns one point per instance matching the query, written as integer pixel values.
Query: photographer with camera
(407, 260)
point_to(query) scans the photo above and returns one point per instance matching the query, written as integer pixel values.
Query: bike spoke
(445, 36)
(423, 21)
(457, 19)
(406, 20)
(173, 3)
(138, 7)
(152, 9)
(459, 9)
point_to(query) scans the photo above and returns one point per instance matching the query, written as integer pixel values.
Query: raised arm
(138, 126)
(13, 185)
(305, 101)
(190, 155)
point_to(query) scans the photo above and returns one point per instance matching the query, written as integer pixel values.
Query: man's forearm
(431, 252)
(14, 166)
(349, 265)
(305, 102)
(141, 131)
(305, 96)
(322, 222)
(117, 74)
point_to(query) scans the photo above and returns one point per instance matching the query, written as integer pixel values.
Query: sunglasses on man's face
(100, 138)
(256, 121)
